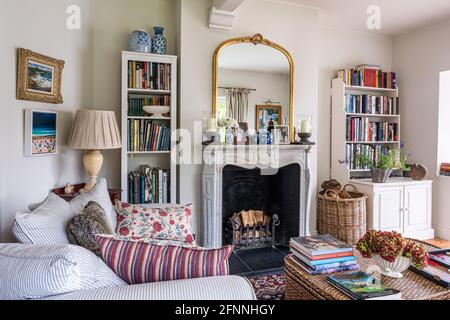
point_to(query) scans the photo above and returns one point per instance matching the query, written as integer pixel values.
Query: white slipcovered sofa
(67, 272)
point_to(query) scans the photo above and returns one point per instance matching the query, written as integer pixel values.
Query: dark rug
(269, 287)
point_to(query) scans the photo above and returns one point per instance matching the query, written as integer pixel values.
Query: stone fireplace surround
(269, 159)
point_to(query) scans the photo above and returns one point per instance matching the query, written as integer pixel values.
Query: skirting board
(442, 232)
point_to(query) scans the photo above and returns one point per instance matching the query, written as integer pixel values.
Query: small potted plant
(386, 164)
(392, 253)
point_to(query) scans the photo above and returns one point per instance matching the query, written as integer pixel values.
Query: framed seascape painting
(281, 135)
(38, 77)
(268, 115)
(41, 133)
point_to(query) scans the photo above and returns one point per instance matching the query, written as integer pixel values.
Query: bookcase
(365, 120)
(148, 80)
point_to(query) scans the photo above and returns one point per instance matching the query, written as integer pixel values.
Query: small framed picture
(281, 135)
(41, 133)
(38, 77)
(268, 115)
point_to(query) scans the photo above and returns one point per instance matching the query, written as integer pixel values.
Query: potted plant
(386, 163)
(392, 253)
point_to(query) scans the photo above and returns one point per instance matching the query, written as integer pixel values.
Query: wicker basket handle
(351, 186)
(332, 192)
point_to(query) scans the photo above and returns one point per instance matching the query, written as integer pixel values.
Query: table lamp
(94, 131)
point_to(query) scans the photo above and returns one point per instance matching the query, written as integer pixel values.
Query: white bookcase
(339, 166)
(132, 160)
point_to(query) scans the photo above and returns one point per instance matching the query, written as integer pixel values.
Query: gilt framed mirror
(251, 75)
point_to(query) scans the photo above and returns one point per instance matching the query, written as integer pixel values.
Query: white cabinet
(401, 205)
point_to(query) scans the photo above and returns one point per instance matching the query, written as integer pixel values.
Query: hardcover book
(313, 263)
(362, 286)
(319, 245)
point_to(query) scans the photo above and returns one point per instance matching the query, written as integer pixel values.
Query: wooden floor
(440, 243)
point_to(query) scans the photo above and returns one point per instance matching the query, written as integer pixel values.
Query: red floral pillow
(171, 223)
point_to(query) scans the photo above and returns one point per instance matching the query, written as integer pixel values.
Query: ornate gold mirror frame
(257, 39)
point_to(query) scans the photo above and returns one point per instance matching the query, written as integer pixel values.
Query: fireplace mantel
(268, 158)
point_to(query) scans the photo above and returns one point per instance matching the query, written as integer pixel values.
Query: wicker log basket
(342, 214)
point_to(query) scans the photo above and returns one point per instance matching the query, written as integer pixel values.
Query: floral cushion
(170, 223)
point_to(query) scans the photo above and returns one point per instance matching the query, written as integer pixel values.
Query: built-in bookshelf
(365, 121)
(148, 174)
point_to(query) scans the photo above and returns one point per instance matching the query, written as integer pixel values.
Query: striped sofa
(66, 272)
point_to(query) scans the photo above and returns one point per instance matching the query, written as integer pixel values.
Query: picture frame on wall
(281, 135)
(41, 133)
(267, 115)
(38, 77)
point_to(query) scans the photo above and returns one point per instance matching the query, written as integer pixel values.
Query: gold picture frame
(257, 39)
(38, 77)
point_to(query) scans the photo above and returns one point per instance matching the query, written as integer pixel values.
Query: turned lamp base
(93, 162)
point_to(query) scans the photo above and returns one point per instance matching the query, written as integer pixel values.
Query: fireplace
(260, 209)
(272, 179)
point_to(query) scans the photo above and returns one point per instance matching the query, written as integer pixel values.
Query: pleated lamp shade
(95, 130)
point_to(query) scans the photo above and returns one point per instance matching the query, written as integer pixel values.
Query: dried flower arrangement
(390, 246)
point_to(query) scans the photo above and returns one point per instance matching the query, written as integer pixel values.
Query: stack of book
(149, 75)
(149, 186)
(363, 130)
(136, 104)
(373, 105)
(369, 76)
(148, 135)
(362, 286)
(322, 254)
(445, 169)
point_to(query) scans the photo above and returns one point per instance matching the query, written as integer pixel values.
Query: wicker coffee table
(302, 286)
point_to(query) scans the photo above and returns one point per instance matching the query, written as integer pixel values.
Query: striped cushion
(205, 289)
(35, 272)
(100, 195)
(139, 262)
(46, 225)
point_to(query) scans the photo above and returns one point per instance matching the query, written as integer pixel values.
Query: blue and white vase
(229, 137)
(159, 41)
(140, 41)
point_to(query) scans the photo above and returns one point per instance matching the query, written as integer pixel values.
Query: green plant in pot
(384, 166)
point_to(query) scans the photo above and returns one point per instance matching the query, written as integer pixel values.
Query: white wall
(294, 27)
(273, 86)
(343, 49)
(419, 57)
(41, 27)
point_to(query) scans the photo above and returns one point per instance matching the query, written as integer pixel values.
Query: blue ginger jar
(140, 41)
(159, 41)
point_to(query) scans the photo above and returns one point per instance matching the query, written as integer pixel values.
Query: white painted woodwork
(157, 159)
(339, 168)
(401, 205)
(222, 13)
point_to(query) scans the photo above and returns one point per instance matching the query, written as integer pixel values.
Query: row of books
(137, 102)
(149, 186)
(354, 151)
(363, 130)
(149, 75)
(369, 76)
(445, 169)
(322, 254)
(368, 104)
(148, 135)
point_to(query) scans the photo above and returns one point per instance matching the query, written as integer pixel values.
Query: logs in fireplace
(251, 229)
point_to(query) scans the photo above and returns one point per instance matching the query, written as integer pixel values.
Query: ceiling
(398, 16)
(248, 57)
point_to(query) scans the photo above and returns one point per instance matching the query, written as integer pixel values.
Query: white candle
(305, 126)
(211, 125)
